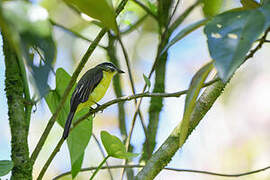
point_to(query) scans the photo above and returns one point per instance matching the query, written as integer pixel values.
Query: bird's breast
(102, 87)
(98, 92)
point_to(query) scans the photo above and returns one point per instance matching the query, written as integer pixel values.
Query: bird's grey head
(109, 67)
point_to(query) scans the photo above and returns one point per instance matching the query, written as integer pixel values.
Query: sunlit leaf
(211, 7)
(101, 10)
(191, 97)
(30, 26)
(5, 167)
(114, 147)
(79, 137)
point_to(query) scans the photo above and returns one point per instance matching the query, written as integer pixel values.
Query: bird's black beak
(120, 71)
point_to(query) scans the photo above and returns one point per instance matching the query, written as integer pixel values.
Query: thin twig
(259, 46)
(74, 33)
(146, 9)
(109, 103)
(65, 95)
(174, 10)
(99, 167)
(42, 58)
(48, 162)
(134, 26)
(136, 96)
(135, 101)
(133, 87)
(182, 17)
(171, 169)
(103, 154)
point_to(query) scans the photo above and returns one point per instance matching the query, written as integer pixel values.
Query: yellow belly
(98, 92)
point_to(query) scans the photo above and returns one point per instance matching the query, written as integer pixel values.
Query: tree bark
(17, 116)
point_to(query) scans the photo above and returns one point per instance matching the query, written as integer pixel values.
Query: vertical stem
(117, 87)
(156, 104)
(99, 166)
(17, 116)
(111, 50)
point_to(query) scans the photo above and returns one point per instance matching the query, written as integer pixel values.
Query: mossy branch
(18, 112)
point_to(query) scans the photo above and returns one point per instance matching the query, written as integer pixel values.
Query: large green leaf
(230, 36)
(77, 142)
(76, 166)
(79, 137)
(101, 10)
(114, 147)
(191, 97)
(5, 167)
(211, 7)
(30, 27)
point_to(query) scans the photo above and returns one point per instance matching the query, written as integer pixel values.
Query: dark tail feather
(68, 123)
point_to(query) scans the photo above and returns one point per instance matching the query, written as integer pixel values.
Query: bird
(90, 89)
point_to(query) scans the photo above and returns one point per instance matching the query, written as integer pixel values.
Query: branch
(146, 9)
(134, 26)
(136, 96)
(101, 108)
(182, 17)
(167, 150)
(170, 169)
(133, 92)
(16, 88)
(42, 58)
(65, 95)
(74, 33)
(103, 154)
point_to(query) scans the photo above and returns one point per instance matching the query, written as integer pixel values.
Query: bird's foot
(91, 111)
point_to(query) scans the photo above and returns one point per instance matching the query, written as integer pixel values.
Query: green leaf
(184, 32)
(76, 166)
(30, 27)
(191, 97)
(230, 36)
(147, 81)
(5, 167)
(249, 4)
(114, 147)
(54, 97)
(211, 7)
(79, 137)
(101, 10)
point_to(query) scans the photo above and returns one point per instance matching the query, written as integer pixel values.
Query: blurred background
(232, 138)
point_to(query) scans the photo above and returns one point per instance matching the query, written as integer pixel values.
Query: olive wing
(85, 87)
